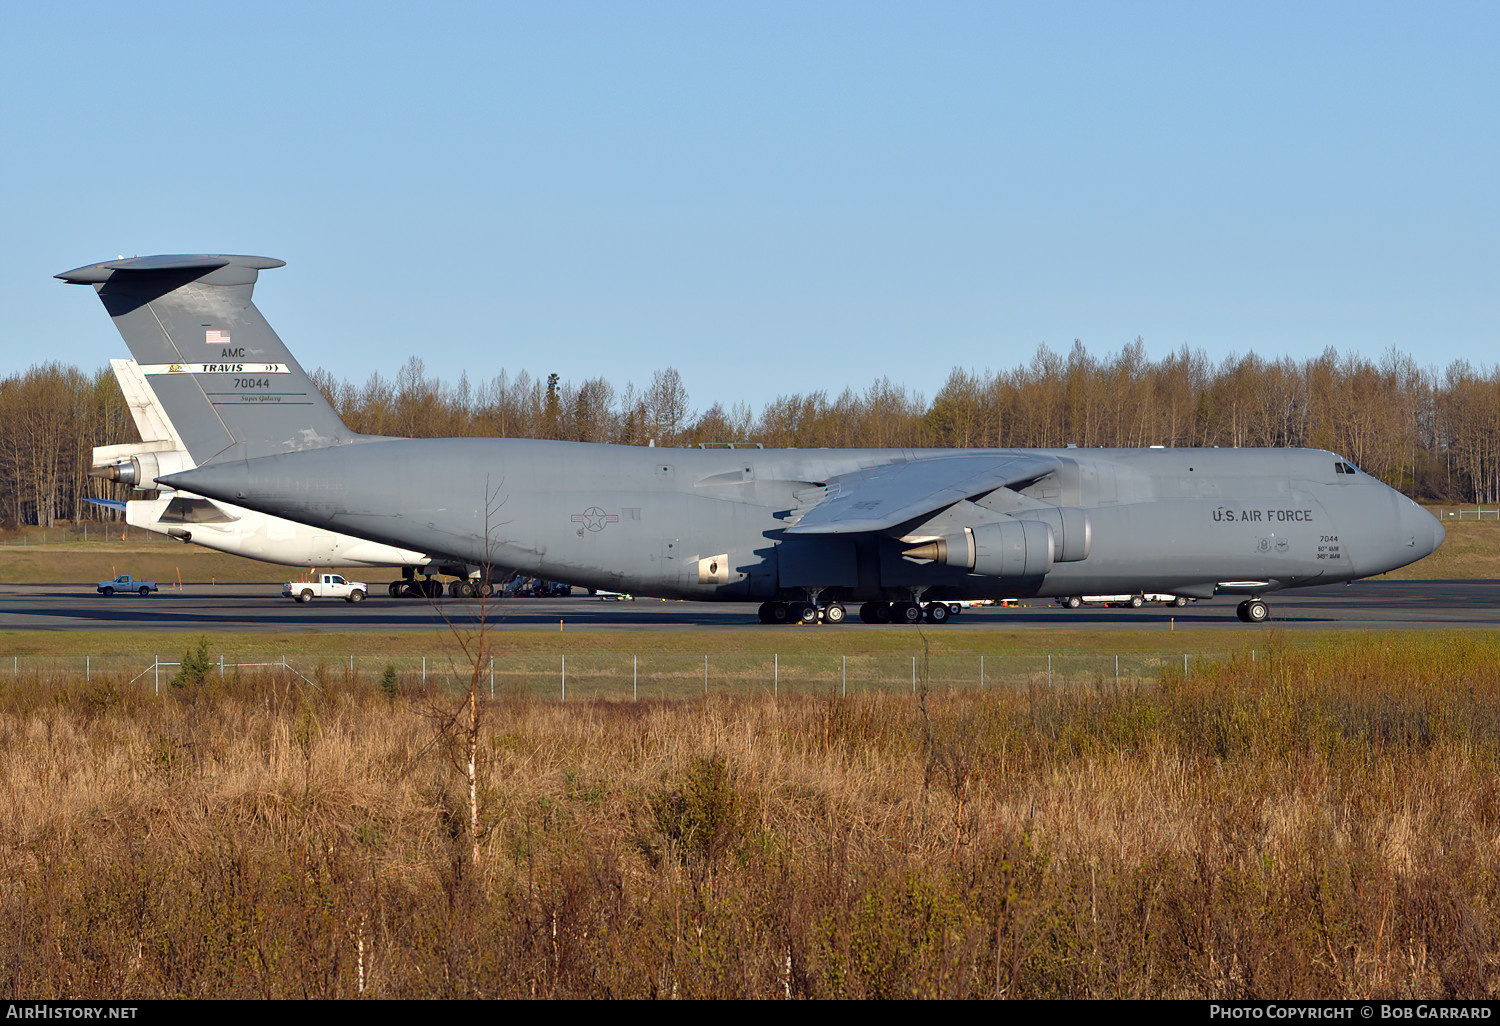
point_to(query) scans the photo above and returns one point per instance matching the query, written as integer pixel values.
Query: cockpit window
(1344, 468)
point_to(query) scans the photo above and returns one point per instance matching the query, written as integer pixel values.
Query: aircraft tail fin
(225, 381)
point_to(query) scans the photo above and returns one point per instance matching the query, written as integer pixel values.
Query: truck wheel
(107, 592)
(1074, 602)
(1136, 602)
(356, 596)
(306, 596)
(145, 591)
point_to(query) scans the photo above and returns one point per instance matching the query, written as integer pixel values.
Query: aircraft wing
(882, 497)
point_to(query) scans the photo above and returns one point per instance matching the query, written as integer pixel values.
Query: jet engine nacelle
(142, 469)
(1011, 548)
(1072, 533)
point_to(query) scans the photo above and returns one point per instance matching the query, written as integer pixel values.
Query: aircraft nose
(1387, 543)
(1436, 531)
(1418, 533)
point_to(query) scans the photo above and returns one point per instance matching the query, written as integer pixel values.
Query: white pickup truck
(125, 583)
(326, 586)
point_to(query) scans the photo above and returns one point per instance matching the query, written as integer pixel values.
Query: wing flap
(882, 497)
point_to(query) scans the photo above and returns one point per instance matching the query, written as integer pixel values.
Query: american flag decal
(215, 337)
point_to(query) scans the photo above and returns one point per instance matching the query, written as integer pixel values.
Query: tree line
(1435, 436)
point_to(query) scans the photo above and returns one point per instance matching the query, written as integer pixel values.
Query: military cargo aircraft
(804, 533)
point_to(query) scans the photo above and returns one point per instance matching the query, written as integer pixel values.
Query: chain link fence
(575, 677)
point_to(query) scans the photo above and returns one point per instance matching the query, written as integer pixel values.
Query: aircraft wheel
(835, 612)
(937, 612)
(1136, 602)
(1073, 602)
(906, 612)
(763, 614)
(1179, 602)
(455, 589)
(1255, 611)
(778, 612)
(806, 612)
(394, 589)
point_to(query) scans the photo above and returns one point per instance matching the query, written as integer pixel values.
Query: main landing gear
(1253, 610)
(411, 586)
(803, 611)
(470, 589)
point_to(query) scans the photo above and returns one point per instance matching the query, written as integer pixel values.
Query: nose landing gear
(1254, 610)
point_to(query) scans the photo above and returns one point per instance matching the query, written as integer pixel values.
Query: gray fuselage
(714, 523)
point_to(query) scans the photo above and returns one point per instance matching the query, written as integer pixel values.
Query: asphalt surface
(1362, 606)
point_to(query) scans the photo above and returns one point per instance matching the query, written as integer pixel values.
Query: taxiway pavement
(1361, 606)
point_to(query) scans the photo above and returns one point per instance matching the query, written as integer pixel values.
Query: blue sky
(771, 197)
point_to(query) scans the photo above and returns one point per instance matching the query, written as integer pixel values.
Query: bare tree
(667, 404)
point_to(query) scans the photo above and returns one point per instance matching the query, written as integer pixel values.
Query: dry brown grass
(1323, 822)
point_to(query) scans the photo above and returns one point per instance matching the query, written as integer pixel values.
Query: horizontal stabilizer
(882, 497)
(98, 274)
